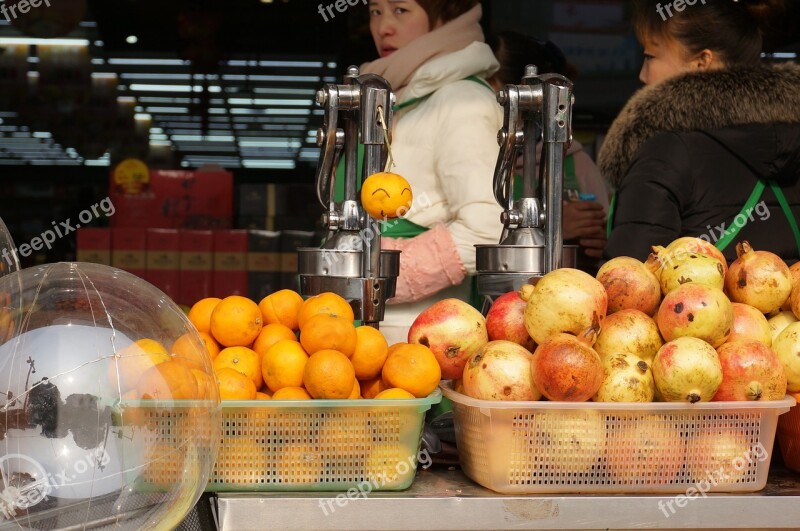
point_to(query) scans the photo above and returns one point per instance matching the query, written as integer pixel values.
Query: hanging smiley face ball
(386, 195)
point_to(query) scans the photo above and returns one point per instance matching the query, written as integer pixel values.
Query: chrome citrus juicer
(531, 241)
(350, 262)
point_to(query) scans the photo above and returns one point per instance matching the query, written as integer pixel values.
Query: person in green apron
(709, 148)
(444, 142)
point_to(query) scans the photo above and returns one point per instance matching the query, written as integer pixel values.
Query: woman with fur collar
(713, 128)
(444, 143)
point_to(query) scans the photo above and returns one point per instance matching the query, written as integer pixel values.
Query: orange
(282, 365)
(192, 353)
(133, 361)
(323, 331)
(200, 313)
(206, 385)
(211, 344)
(234, 385)
(281, 307)
(327, 302)
(242, 359)
(271, 334)
(170, 380)
(371, 387)
(386, 195)
(291, 393)
(370, 353)
(236, 321)
(329, 374)
(394, 392)
(413, 368)
(356, 392)
(263, 396)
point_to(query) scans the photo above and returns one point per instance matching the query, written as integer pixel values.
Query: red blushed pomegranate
(689, 244)
(787, 346)
(629, 331)
(630, 284)
(506, 320)
(563, 300)
(750, 371)
(501, 370)
(687, 369)
(794, 270)
(758, 278)
(696, 310)
(749, 323)
(566, 368)
(453, 330)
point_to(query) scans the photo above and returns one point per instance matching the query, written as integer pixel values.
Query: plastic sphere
(102, 421)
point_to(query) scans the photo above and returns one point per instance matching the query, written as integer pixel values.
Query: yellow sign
(131, 175)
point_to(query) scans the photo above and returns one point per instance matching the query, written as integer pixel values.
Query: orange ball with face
(386, 195)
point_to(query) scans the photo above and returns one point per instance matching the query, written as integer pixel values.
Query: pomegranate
(506, 320)
(723, 456)
(779, 321)
(698, 311)
(630, 331)
(453, 330)
(758, 278)
(794, 300)
(501, 370)
(687, 369)
(794, 270)
(630, 284)
(749, 323)
(750, 371)
(567, 368)
(569, 442)
(626, 378)
(689, 244)
(787, 347)
(563, 300)
(645, 450)
(693, 267)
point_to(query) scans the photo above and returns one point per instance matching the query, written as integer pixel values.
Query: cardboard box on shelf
(129, 250)
(172, 199)
(291, 240)
(263, 263)
(230, 263)
(93, 245)
(197, 261)
(163, 261)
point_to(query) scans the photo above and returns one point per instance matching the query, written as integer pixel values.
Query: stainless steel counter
(444, 499)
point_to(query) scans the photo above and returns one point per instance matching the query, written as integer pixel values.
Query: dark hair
(445, 10)
(514, 51)
(730, 28)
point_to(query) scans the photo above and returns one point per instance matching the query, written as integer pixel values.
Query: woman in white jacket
(444, 143)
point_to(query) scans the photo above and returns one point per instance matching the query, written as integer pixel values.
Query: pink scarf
(400, 67)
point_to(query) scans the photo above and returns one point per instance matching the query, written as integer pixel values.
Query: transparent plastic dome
(9, 261)
(110, 417)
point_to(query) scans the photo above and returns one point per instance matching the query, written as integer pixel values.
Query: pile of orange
(283, 348)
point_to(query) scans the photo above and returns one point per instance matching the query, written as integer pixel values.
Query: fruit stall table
(444, 498)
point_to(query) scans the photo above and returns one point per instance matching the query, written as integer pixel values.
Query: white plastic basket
(593, 447)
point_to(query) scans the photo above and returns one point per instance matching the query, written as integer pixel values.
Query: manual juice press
(350, 262)
(531, 241)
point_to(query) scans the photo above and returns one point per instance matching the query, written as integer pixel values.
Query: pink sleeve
(428, 263)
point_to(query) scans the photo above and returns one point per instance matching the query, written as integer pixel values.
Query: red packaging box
(197, 261)
(163, 261)
(129, 250)
(230, 263)
(263, 263)
(93, 245)
(174, 199)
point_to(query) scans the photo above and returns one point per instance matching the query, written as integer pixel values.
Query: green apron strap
(755, 195)
(787, 212)
(612, 208)
(401, 228)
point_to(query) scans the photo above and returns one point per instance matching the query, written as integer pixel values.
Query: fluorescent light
(97, 61)
(299, 112)
(286, 91)
(239, 77)
(160, 143)
(203, 138)
(267, 102)
(98, 162)
(44, 42)
(152, 62)
(277, 143)
(165, 110)
(42, 134)
(142, 117)
(131, 39)
(156, 76)
(272, 164)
